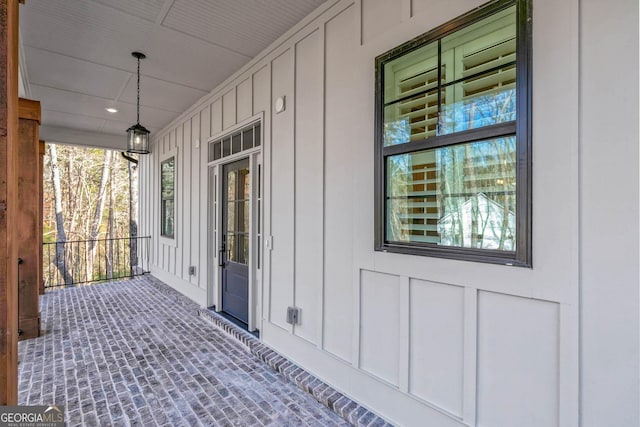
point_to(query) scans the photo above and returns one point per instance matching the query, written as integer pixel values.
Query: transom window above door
(237, 142)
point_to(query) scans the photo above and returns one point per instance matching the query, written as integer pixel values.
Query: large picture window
(453, 139)
(167, 197)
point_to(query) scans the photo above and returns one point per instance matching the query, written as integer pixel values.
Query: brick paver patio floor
(133, 352)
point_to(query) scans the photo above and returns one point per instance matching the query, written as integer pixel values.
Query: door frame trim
(214, 215)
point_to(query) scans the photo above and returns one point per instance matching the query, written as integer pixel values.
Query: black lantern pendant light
(138, 135)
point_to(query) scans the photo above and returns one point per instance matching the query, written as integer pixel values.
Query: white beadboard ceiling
(76, 57)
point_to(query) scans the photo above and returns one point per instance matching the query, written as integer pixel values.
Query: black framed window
(167, 197)
(453, 139)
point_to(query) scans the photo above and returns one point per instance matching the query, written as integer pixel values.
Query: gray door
(236, 202)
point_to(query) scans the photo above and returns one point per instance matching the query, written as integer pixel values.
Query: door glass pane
(231, 185)
(245, 178)
(243, 248)
(231, 247)
(462, 196)
(231, 216)
(239, 206)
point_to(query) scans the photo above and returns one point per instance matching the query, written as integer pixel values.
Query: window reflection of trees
(462, 195)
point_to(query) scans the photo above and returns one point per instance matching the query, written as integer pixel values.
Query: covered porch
(136, 352)
(411, 200)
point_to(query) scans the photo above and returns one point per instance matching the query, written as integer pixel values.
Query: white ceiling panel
(161, 94)
(151, 118)
(246, 26)
(120, 128)
(76, 55)
(83, 105)
(61, 135)
(69, 102)
(59, 71)
(59, 119)
(145, 9)
(106, 36)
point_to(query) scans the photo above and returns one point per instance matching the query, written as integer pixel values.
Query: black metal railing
(86, 261)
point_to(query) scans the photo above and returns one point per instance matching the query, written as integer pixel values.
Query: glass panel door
(236, 202)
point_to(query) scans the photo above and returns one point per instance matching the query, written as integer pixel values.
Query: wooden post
(41, 150)
(8, 206)
(29, 235)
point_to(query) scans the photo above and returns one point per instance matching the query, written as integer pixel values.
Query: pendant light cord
(138, 90)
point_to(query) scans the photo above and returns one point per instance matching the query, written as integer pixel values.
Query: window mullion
(472, 135)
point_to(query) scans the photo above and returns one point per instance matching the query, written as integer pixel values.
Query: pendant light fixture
(138, 135)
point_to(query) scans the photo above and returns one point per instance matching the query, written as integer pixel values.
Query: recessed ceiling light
(111, 110)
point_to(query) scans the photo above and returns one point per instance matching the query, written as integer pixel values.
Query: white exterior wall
(609, 192)
(427, 341)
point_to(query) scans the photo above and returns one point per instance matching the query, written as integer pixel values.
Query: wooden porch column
(8, 205)
(41, 148)
(28, 226)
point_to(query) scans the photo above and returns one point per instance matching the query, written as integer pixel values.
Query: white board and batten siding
(421, 341)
